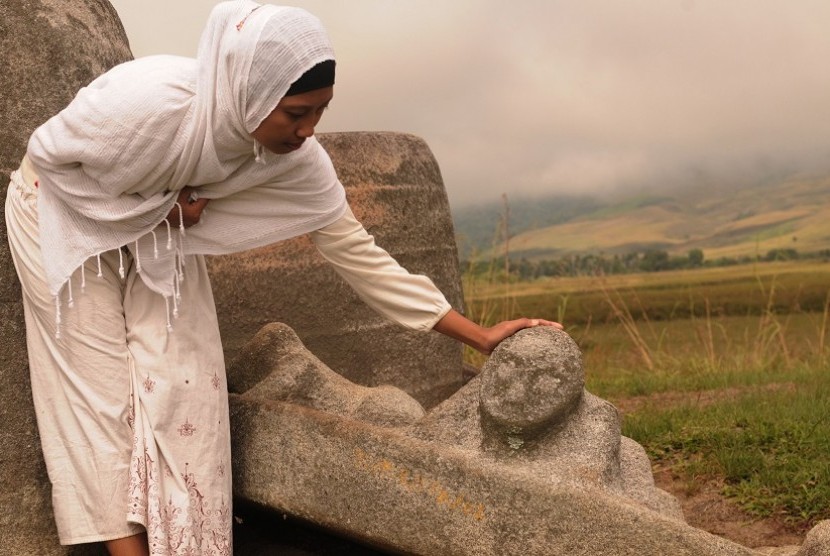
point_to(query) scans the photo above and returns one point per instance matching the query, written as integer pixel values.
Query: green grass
(696, 355)
(770, 447)
(728, 367)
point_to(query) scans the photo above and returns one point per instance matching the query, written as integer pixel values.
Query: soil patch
(703, 398)
(706, 508)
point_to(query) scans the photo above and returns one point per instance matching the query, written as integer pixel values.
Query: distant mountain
(749, 221)
(479, 227)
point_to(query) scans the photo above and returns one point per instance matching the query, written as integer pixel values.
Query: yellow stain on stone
(403, 478)
(416, 483)
(457, 503)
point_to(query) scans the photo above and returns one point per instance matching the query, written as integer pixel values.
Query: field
(721, 374)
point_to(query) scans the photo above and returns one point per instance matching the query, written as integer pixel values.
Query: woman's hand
(483, 339)
(192, 207)
(495, 334)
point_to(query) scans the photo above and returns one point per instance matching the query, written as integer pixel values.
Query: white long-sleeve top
(408, 299)
(411, 300)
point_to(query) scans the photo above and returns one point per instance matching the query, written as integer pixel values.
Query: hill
(479, 226)
(793, 214)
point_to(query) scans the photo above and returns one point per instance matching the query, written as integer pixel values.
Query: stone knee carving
(275, 365)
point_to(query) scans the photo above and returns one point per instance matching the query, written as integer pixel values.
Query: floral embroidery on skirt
(179, 488)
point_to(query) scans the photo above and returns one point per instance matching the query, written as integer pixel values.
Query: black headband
(318, 77)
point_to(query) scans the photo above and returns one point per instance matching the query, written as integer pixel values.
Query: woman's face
(293, 120)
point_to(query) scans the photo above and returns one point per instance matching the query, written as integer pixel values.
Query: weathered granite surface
(304, 380)
(533, 382)
(540, 481)
(529, 407)
(48, 50)
(817, 542)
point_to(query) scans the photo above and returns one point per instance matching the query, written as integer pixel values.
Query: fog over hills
(544, 97)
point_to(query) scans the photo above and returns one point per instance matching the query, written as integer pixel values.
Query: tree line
(650, 260)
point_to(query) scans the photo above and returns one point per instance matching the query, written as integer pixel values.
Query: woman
(156, 163)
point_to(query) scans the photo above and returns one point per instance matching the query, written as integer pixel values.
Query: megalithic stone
(48, 50)
(431, 487)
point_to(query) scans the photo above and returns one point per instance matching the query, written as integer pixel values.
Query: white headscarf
(111, 164)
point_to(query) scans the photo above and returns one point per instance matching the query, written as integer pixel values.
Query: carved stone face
(522, 393)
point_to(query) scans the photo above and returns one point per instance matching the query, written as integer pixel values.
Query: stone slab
(475, 475)
(381, 487)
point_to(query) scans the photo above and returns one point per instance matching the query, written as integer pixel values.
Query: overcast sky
(548, 96)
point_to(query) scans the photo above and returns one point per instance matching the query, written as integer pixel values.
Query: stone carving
(520, 460)
(817, 542)
(530, 385)
(303, 379)
(528, 408)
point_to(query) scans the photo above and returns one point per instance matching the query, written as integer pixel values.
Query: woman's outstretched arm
(484, 339)
(409, 299)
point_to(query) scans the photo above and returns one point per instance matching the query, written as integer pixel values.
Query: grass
(697, 355)
(770, 447)
(730, 362)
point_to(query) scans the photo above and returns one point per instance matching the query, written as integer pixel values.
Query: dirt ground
(706, 508)
(703, 398)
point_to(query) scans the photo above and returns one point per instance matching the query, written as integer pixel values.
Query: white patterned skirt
(133, 417)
